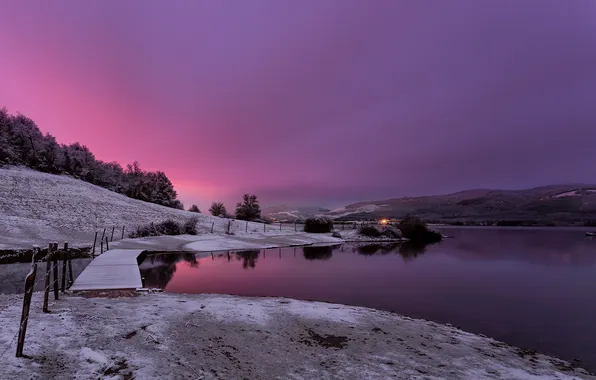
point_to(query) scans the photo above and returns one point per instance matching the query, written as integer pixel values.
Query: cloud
(314, 101)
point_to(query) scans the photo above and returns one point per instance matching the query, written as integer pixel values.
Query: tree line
(22, 143)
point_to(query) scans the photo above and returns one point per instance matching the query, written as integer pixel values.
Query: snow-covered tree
(22, 143)
(249, 209)
(218, 209)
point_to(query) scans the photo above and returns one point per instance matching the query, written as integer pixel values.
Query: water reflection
(545, 246)
(407, 250)
(318, 253)
(158, 269)
(249, 258)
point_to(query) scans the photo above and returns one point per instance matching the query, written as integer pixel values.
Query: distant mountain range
(556, 204)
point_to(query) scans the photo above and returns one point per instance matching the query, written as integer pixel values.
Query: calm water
(533, 288)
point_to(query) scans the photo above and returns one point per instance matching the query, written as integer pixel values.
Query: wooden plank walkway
(114, 269)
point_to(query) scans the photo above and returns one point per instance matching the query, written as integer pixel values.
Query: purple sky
(313, 102)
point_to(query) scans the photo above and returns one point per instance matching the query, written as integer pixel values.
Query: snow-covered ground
(167, 336)
(354, 236)
(209, 242)
(36, 208)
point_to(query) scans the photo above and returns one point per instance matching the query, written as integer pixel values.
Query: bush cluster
(319, 224)
(168, 227)
(415, 230)
(370, 231)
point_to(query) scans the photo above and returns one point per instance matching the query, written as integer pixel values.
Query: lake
(530, 287)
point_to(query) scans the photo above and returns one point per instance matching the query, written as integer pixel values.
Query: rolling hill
(558, 204)
(36, 207)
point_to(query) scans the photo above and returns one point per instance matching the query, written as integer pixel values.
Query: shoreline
(230, 337)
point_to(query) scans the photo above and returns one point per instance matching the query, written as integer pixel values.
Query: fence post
(103, 234)
(63, 285)
(29, 284)
(46, 292)
(101, 246)
(295, 227)
(112, 238)
(212, 224)
(55, 271)
(94, 241)
(122, 233)
(264, 225)
(107, 245)
(247, 226)
(70, 274)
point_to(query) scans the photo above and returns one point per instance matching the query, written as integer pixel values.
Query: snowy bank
(222, 242)
(36, 208)
(167, 336)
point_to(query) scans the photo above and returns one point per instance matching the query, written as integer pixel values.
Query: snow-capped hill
(37, 207)
(287, 213)
(347, 211)
(575, 193)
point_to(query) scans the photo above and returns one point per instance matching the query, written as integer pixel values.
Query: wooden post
(63, 285)
(107, 245)
(29, 284)
(295, 226)
(94, 241)
(229, 225)
(46, 291)
(112, 237)
(212, 258)
(103, 234)
(70, 274)
(122, 233)
(247, 226)
(212, 224)
(55, 271)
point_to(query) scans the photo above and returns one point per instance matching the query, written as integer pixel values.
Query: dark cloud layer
(314, 102)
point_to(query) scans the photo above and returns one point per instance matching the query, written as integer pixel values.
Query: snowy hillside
(37, 207)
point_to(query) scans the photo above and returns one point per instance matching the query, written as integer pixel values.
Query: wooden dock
(114, 269)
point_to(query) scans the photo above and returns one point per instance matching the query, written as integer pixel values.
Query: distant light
(384, 221)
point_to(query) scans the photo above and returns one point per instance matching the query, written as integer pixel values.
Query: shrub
(190, 226)
(370, 231)
(194, 208)
(391, 232)
(414, 229)
(169, 227)
(318, 224)
(218, 209)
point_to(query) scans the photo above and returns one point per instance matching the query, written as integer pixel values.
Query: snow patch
(319, 310)
(93, 356)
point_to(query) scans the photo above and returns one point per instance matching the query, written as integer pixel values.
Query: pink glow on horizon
(311, 102)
